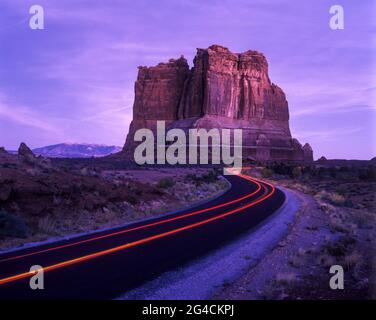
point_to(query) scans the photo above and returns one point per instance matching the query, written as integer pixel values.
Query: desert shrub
(371, 173)
(166, 183)
(348, 203)
(190, 176)
(326, 260)
(336, 249)
(332, 172)
(297, 172)
(340, 247)
(47, 225)
(210, 177)
(347, 176)
(298, 258)
(332, 197)
(266, 172)
(337, 224)
(286, 278)
(341, 189)
(281, 168)
(323, 173)
(337, 199)
(363, 219)
(136, 189)
(12, 226)
(352, 260)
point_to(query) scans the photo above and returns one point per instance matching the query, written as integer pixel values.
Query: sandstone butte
(222, 90)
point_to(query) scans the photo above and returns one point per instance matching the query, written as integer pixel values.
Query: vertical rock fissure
(204, 83)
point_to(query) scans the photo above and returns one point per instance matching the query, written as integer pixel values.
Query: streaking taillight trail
(147, 239)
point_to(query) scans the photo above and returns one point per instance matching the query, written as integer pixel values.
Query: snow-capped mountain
(76, 150)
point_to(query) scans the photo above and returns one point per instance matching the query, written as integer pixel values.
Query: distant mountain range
(76, 150)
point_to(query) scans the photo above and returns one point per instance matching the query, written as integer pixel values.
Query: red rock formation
(157, 95)
(232, 85)
(222, 90)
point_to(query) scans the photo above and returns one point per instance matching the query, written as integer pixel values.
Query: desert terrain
(336, 225)
(42, 198)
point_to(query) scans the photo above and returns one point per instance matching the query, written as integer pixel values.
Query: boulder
(26, 155)
(308, 152)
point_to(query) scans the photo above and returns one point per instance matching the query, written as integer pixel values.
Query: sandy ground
(298, 267)
(255, 282)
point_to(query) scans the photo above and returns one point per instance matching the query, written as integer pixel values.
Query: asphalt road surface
(106, 264)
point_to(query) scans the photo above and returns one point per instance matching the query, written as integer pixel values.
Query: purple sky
(73, 81)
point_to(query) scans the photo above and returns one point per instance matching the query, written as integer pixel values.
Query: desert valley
(46, 198)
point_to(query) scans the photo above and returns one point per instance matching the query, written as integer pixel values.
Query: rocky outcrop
(232, 85)
(26, 156)
(158, 91)
(308, 152)
(222, 90)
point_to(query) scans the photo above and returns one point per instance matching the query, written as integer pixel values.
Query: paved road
(106, 264)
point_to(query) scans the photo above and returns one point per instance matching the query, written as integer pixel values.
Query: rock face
(158, 92)
(232, 85)
(222, 90)
(25, 154)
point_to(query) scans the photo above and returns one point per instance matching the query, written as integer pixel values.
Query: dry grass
(276, 289)
(298, 259)
(332, 197)
(47, 225)
(286, 278)
(161, 196)
(326, 260)
(352, 260)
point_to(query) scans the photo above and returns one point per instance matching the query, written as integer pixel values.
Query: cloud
(325, 99)
(116, 118)
(25, 116)
(331, 109)
(326, 135)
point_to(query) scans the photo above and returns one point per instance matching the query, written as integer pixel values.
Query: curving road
(106, 264)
